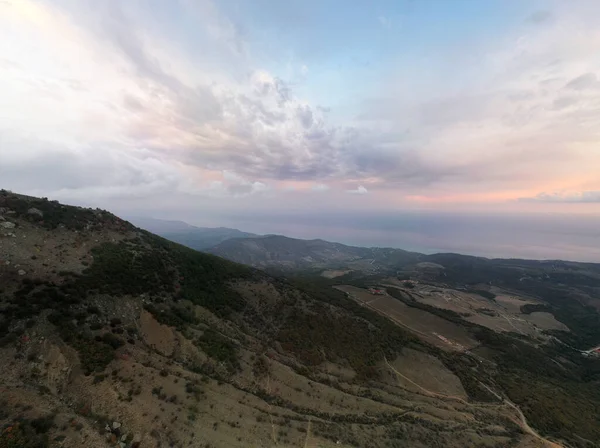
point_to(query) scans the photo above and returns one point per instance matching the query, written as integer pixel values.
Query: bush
(220, 348)
(27, 433)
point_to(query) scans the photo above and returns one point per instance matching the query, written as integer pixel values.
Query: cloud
(360, 190)
(320, 187)
(384, 22)
(237, 186)
(582, 82)
(566, 197)
(540, 17)
(123, 103)
(521, 105)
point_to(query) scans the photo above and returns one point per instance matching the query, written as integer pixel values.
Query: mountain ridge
(280, 251)
(110, 334)
(198, 238)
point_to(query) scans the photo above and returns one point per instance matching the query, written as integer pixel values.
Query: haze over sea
(534, 236)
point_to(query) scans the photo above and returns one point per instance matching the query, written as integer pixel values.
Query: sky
(236, 112)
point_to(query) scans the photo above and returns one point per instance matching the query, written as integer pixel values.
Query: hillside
(113, 336)
(198, 238)
(280, 252)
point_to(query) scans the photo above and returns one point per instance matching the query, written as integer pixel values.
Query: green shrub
(220, 348)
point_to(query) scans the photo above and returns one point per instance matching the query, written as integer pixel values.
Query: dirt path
(307, 433)
(427, 392)
(510, 323)
(522, 421)
(273, 430)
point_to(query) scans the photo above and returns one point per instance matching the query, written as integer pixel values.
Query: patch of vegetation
(449, 315)
(203, 279)
(94, 354)
(535, 307)
(220, 348)
(154, 266)
(337, 328)
(127, 268)
(260, 367)
(27, 433)
(483, 293)
(173, 315)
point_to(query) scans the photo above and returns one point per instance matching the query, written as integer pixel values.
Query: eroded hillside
(111, 336)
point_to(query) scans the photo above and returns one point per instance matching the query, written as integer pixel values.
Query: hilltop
(284, 253)
(113, 336)
(194, 237)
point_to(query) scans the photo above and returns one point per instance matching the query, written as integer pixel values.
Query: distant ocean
(540, 236)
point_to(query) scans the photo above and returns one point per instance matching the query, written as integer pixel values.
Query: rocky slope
(112, 336)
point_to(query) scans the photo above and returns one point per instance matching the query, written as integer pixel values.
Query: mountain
(113, 336)
(276, 251)
(198, 238)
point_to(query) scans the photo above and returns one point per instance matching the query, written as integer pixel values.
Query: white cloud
(523, 112)
(359, 190)
(104, 88)
(234, 185)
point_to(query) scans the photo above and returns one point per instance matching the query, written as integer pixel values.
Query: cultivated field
(501, 313)
(428, 372)
(431, 328)
(331, 273)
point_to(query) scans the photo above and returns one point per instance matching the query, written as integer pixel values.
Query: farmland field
(332, 273)
(431, 328)
(500, 313)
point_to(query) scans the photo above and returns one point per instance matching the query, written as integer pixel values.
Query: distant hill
(277, 251)
(198, 238)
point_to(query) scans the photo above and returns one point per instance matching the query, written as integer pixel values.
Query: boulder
(7, 225)
(35, 212)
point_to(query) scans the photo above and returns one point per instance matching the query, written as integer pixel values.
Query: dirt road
(521, 421)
